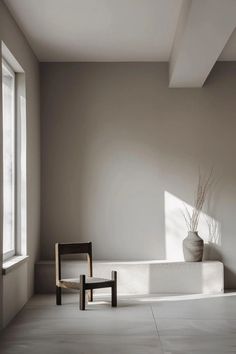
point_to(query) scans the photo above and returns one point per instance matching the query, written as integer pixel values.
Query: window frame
(11, 253)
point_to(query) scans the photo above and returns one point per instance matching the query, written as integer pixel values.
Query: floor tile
(202, 308)
(139, 325)
(193, 327)
(84, 344)
(204, 344)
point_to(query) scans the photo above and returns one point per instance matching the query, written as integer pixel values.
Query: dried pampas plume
(203, 187)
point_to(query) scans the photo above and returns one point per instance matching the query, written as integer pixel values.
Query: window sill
(13, 263)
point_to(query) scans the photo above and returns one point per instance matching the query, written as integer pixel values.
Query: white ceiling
(98, 30)
(190, 34)
(102, 30)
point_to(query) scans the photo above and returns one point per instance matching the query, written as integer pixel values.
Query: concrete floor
(140, 325)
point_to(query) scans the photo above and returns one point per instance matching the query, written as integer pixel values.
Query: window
(14, 156)
(9, 161)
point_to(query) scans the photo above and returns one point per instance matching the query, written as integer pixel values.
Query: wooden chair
(82, 283)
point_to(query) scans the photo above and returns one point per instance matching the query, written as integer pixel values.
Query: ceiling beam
(204, 28)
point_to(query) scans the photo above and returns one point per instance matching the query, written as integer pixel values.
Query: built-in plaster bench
(142, 277)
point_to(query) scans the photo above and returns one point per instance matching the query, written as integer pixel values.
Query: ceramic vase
(193, 246)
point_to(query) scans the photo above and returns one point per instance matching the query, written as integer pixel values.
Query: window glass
(8, 99)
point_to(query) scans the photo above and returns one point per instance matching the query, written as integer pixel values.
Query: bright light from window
(14, 156)
(8, 99)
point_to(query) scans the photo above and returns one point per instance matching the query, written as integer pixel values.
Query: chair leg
(58, 295)
(114, 289)
(82, 292)
(91, 295)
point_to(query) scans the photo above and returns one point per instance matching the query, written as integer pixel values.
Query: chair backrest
(72, 248)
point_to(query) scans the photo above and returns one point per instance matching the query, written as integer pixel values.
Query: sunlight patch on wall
(176, 229)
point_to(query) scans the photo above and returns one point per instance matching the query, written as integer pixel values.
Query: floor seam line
(158, 334)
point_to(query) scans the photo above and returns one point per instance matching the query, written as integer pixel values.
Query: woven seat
(74, 283)
(83, 283)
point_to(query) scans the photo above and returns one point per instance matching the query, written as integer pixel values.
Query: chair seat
(74, 283)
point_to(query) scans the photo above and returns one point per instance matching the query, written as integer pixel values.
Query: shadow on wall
(175, 230)
(230, 277)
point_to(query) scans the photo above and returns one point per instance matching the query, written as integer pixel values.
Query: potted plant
(193, 244)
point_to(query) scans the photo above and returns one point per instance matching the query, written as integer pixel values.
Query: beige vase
(193, 246)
